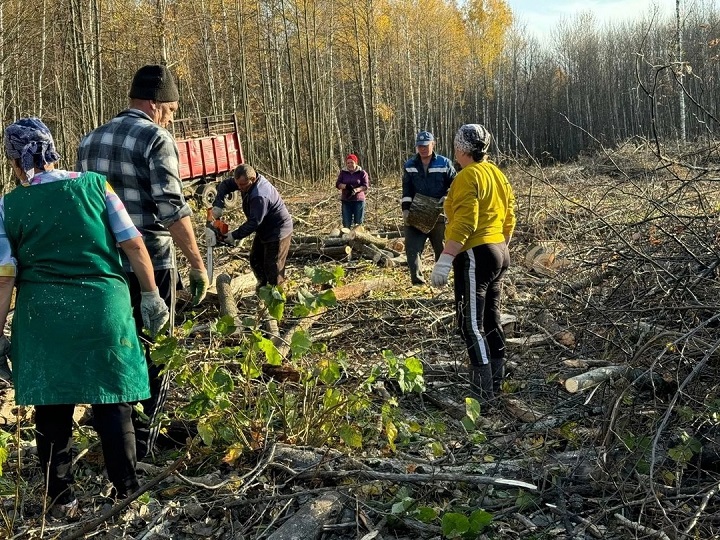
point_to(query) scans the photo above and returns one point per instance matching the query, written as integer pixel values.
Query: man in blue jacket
(429, 174)
(267, 217)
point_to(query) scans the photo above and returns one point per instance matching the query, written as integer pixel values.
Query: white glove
(217, 212)
(155, 313)
(441, 270)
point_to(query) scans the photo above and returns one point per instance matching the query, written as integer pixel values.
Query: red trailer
(209, 150)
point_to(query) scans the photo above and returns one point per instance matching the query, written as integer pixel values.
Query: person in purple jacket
(353, 182)
(267, 217)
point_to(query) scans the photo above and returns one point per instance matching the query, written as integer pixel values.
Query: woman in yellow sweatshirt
(480, 210)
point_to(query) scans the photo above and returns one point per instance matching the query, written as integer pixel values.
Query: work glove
(406, 213)
(154, 311)
(441, 270)
(229, 240)
(199, 284)
(217, 212)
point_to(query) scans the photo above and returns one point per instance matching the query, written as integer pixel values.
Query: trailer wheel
(208, 194)
(233, 200)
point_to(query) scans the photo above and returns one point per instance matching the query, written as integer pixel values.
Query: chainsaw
(215, 231)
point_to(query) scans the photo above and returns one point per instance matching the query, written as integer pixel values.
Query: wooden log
(361, 236)
(243, 283)
(396, 245)
(308, 522)
(424, 212)
(391, 234)
(356, 290)
(594, 377)
(378, 256)
(325, 241)
(340, 252)
(226, 298)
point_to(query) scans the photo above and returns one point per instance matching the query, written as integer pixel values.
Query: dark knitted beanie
(154, 82)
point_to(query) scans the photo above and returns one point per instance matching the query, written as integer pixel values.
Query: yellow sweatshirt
(480, 206)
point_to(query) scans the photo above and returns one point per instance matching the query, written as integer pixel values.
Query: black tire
(233, 200)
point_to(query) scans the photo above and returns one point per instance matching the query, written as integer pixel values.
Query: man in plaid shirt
(139, 157)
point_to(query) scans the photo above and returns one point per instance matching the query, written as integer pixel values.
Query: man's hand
(217, 212)
(199, 284)
(441, 270)
(229, 240)
(154, 311)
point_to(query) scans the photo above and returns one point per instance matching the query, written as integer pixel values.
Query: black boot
(481, 384)
(498, 372)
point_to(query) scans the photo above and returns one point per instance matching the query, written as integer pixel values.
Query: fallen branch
(122, 505)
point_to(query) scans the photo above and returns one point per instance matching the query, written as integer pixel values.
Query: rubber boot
(498, 372)
(481, 384)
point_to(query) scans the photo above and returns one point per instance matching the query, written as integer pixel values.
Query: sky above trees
(543, 17)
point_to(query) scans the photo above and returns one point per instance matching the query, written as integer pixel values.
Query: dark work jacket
(266, 213)
(433, 183)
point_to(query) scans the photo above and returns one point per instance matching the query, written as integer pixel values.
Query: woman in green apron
(73, 336)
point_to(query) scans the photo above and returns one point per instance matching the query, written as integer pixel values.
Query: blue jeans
(353, 210)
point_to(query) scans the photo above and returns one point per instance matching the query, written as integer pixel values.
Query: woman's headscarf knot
(30, 141)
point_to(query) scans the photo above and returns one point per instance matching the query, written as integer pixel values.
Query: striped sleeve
(120, 222)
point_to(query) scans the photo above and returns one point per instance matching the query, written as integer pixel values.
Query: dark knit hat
(154, 82)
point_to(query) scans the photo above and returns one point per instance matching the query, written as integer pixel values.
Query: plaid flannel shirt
(140, 160)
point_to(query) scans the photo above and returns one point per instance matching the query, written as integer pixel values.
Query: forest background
(312, 80)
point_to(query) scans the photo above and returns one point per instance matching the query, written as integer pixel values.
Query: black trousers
(478, 273)
(146, 424)
(415, 244)
(53, 433)
(267, 260)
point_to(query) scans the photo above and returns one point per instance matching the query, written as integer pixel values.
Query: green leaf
(425, 514)
(300, 311)
(206, 432)
(391, 431)
(326, 298)
(225, 325)
(272, 355)
(222, 380)
(437, 449)
(351, 436)
(472, 409)
(525, 500)
(332, 398)
(274, 300)
(468, 424)
(329, 371)
(479, 520)
(322, 276)
(3, 458)
(300, 344)
(454, 525)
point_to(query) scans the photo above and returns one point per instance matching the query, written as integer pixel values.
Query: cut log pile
(345, 244)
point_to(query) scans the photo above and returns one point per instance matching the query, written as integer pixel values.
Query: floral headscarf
(30, 141)
(471, 137)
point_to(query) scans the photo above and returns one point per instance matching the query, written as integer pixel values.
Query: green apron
(73, 334)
